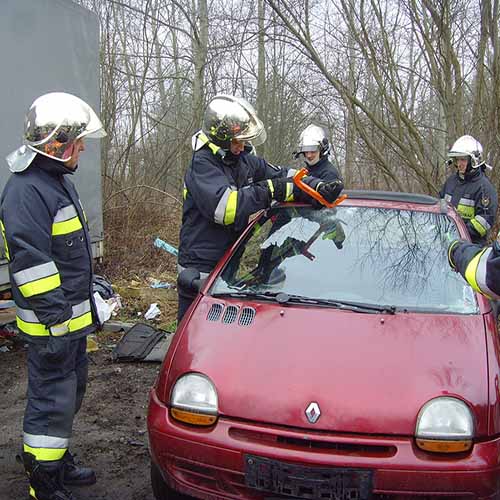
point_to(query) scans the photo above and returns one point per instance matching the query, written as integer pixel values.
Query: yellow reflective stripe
(40, 286)
(230, 212)
(35, 329)
(184, 193)
(66, 227)
(32, 493)
(213, 147)
(6, 247)
(289, 191)
(481, 230)
(80, 322)
(271, 187)
(470, 271)
(45, 454)
(465, 211)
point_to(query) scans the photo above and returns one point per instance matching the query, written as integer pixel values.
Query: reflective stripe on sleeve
(225, 212)
(467, 202)
(289, 191)
(480, 225)
(66, 221)
(28, 322)
(37, 279)
(475, 273)
(6, 247)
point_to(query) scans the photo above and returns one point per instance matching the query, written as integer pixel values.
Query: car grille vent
(230, 315)
(246, 317)
(215, 312)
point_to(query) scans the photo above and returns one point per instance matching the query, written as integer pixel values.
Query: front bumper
(210, 463)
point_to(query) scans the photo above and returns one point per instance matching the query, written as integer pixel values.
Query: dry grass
(131, 260)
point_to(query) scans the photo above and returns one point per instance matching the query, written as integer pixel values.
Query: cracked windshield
(361, 255)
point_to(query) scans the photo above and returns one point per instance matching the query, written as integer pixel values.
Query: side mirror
(189, 279)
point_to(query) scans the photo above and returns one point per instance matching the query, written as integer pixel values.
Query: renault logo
(313, 412)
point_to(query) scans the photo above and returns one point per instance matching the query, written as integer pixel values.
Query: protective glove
(57, 347)
(451, 251)
(330, 190)
(281, 188)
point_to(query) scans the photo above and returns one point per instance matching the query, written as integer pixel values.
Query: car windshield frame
(350, 257)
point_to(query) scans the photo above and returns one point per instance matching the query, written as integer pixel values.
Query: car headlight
(194, 400)
(445, 425)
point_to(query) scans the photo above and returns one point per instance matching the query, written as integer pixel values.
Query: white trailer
(46, 46)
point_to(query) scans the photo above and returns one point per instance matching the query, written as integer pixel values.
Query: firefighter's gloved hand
(281, 189)
(330, 190)
(451, 251)
(57, 347)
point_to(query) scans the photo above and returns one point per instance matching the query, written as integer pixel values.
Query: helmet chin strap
(311, 163)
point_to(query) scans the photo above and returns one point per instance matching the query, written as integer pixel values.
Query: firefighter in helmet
(315, 148)
(48, 247)
(469, 190)
(225, 185)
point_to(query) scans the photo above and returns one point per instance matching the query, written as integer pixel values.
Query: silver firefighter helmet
(53, 123)
(313, 138)
(467, 146)
(229, 117)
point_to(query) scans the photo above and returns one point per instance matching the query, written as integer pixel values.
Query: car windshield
(355, 255)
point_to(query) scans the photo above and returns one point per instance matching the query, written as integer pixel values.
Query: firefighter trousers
(57, 379)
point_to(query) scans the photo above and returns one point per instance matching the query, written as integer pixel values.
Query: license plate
(302, 482)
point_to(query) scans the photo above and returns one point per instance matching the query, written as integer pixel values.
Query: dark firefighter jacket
(476, 201)
(480, 266)
(324, 170)
(48, 248)
(220, 196)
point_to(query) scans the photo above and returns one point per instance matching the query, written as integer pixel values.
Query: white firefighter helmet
(53, 123)
(313, 138)
(467, 146)
(229, 117)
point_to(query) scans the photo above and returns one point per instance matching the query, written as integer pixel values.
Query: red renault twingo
(333, 354)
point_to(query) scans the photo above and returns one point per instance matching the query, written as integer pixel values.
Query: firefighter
(315, 148)
(480, 266)
(469, 190)
(48, 247)
(225, 186)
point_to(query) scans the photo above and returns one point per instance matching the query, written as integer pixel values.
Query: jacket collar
(50, 166)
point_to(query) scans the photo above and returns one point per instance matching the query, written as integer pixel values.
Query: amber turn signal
(438, 446)
(189, 417)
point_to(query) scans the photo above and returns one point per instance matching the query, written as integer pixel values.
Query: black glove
(280, 188)
(330, 190)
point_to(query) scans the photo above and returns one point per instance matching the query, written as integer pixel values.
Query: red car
(333, 354)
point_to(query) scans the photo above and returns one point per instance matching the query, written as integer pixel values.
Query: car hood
(369, 373)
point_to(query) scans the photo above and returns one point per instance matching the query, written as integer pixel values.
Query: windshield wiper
(283, 298)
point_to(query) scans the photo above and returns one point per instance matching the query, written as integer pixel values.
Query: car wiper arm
(342, 304)
(283, 298)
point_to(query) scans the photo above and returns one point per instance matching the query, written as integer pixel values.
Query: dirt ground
(109, 431)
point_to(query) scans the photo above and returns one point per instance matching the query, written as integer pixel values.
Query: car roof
(364, 194)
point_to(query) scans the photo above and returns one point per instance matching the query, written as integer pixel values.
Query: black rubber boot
(45, 479)
(75, 475)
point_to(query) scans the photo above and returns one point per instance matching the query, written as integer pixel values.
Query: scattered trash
(115, 302)
(5, 304)
(152, 312)
(8, 331)
(160, 284)
(92, 345)
(4, 348)
(158, 243)
(104, 310)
